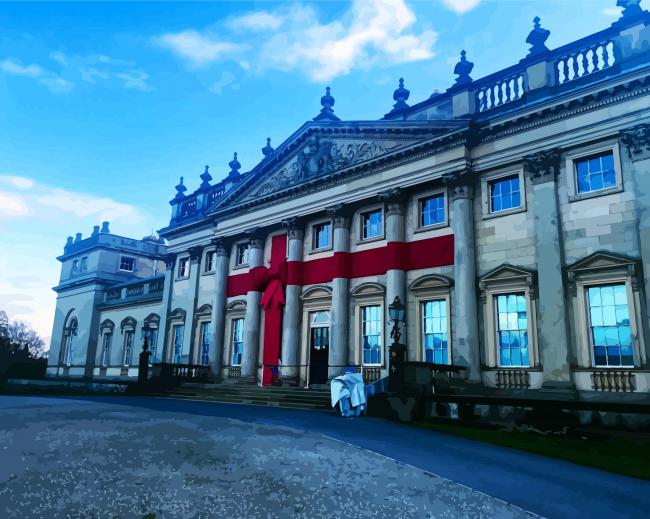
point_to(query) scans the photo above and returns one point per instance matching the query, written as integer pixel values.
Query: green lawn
(631, 458)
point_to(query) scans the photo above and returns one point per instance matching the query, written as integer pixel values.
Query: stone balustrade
(135, 290)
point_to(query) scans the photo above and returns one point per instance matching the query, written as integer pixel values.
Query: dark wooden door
(318, 361)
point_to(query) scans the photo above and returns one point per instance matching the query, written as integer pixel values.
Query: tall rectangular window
(237, 341)
(153, 343)
(206, 339)
(241, 254)
(127, 263)
(432, 210)
(83, 266)
(69, 351)
(128, 347)
(434, 324)
(371, 332)
(372, 225)
(609, 323)
(75, 268)
(321, 235)
(183, 267)
(596, 172)
(178, 343)
(210, 261)
(504, 194)
(106, 349)
(512, 330)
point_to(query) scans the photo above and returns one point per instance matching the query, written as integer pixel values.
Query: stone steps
(253, 395)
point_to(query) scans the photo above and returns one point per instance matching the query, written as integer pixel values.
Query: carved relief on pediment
(320, 157)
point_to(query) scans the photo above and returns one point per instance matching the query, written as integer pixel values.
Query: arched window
(128, 331)
(69, 337)
(106, 329)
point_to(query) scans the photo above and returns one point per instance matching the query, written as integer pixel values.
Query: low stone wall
(17, 385)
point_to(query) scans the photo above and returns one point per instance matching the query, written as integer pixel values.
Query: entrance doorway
(319, 346)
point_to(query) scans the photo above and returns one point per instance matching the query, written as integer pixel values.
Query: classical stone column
(196, 253)
(291, 317)
(465, 351)
(395, 278)
(219, 306)
(252, 318)
(636, 143)
(340, 313)
(541, 169)
(162, 346)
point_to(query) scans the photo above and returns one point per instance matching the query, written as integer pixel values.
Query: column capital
(543, 166)
(394, 199)
(169, 259)
(255, 237)
(460, 184)
(294, 227)
(222, 246)
(340, 215)
(195, 252)
(637, 141)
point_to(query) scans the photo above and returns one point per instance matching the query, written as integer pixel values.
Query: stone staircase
(293, 398)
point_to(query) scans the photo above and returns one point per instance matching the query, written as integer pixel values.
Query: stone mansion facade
(510, 214)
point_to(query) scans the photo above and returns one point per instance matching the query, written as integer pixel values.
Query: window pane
(512, 329)
(610, 330)
(595, 172)
(505, 193)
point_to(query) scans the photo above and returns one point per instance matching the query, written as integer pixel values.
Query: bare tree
(22, 336)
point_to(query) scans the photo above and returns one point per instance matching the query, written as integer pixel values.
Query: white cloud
(370, 32)
(134, 79)
(612, 12)
(461, 6)
(83, 205)
(16, 181)
(50, 79)
(257, 21)
(16, 69)
(12, 205)
(226, 79)
(199, 49)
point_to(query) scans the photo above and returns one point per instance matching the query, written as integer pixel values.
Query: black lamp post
(396, 312)
(397, 350)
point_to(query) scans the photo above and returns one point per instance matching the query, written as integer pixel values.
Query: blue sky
(103, 106)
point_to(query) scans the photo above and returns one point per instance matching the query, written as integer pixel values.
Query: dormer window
(127, 263)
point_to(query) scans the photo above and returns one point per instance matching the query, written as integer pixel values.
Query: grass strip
(617, 455)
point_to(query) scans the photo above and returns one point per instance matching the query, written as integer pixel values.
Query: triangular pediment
(506, 272)
(317, 152)
(601, 261)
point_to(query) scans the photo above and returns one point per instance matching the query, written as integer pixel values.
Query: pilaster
(252, 318)
(542, 169)
(465, 351)
(219, 305)
(162, 348)
(291, 317)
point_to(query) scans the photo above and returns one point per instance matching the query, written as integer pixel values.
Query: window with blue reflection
(371, 325)
(596, 172)
(512, 329)
(434, 324)
(321, 235)
(432, 210)
(178, 343)
(609, 321)
(372, 224)
(237, 341)
(504, 194)
(206, 333)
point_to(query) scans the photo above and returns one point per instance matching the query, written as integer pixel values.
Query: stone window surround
(518, 281)
(178, 266)
(314, 298)
(234, 310)
(235, 251)
(107, 327)
(119, 263)
(310, 236)
(584, 351)
(430, 288)
(202, 315)
(176, 318)
(584, 152)
(368, 294)
(416, 209)
(487, 178)
(128, 324)
(206, 252)
(71, 328)
(357, 219)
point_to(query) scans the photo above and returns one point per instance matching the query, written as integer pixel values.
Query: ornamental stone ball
(537, 38)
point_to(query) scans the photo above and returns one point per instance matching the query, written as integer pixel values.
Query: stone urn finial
(537, 38)
(463, 69)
